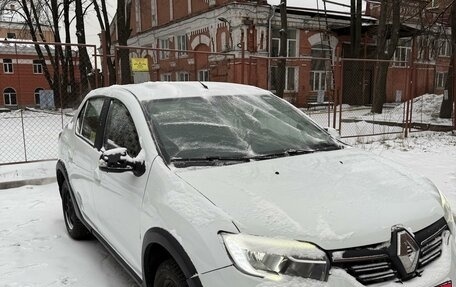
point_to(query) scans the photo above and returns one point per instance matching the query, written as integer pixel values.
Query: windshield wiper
(208, 160)
(284, 153)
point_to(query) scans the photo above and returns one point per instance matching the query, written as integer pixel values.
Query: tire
(74, 226)
(169, 275)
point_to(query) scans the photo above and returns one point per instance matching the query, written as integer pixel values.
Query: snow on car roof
(167, 90)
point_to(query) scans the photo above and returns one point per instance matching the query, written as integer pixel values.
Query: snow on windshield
(228, 126)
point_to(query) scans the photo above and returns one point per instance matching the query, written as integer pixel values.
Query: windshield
(233, 128)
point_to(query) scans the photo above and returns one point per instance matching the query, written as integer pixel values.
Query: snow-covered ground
(36, 251)
(29, 135)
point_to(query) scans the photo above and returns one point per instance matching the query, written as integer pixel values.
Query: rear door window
(89, 119)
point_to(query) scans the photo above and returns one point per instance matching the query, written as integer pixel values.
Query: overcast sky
(91, 22)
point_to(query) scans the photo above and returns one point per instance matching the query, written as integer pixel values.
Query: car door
(84, 156)
(119, 195)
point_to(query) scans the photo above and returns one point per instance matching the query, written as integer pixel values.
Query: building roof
(317, 4)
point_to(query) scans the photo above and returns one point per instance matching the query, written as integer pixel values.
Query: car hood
(338, 199)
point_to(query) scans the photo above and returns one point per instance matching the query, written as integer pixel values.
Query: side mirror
(118, 161)
(333, 132)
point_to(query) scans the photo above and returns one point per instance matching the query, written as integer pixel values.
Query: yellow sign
(140, 65)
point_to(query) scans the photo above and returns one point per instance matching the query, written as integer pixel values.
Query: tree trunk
(282, 64)
(446, 109)
(379, 97)
(389, 24)
(85, 65)
(102, 16)
(74, 93)
(123, 33)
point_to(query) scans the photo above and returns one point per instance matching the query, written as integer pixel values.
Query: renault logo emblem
(404, 252)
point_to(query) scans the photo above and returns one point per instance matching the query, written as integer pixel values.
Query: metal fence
(334, 92)
(41, 84)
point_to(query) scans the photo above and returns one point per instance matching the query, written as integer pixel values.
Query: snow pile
(426, 109)
(19, 172)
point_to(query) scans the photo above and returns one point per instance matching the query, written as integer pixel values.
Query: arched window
(9, 95)
(321, 67)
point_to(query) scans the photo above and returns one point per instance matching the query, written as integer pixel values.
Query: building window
(441, 79)
(290, 78)
(320, 67)
(165, 77)
(203, 75)
(183, 77)
(444, 48)
(182, 45)
(291, 43)
(9, 95)
(403, 52)
(164, 44)
(37, 67)
(8, 66)
(318, 80)
(37, 96)
(11, 35)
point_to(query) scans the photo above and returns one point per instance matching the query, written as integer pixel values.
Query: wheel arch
(62, 176)
(158, 245)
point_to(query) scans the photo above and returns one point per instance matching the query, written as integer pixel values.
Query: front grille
(373, 264)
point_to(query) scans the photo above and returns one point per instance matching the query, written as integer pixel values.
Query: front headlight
(449, 216)
(269, 258)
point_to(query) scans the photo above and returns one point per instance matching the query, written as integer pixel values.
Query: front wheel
(169, 275)
(74, 226)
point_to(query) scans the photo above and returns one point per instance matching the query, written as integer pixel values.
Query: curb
(19, 183)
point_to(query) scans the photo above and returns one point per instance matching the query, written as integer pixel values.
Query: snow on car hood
(337, 199)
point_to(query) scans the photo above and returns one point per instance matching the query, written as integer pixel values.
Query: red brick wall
(146, 15)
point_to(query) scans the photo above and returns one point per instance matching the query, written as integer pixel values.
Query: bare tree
(282, 63)
(103, 20)
(447, 107)
(387, 40)
(355, 27)
(123, 33)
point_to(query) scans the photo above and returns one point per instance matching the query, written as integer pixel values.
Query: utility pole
(282, 65)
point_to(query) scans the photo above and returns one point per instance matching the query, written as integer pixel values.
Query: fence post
(341, 94)
(23, 135)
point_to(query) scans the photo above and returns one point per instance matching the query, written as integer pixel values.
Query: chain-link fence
(41, 84)
(359, 97)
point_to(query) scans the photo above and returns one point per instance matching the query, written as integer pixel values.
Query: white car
(218, 184)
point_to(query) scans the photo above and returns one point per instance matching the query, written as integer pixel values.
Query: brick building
(21, 72)
(227, 26)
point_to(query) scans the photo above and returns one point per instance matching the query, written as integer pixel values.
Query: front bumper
(436, 273)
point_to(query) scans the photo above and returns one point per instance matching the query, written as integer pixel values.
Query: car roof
(168, 90)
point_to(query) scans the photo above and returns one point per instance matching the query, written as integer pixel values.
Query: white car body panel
(175, 206)
(331, 199)
(336, 200)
